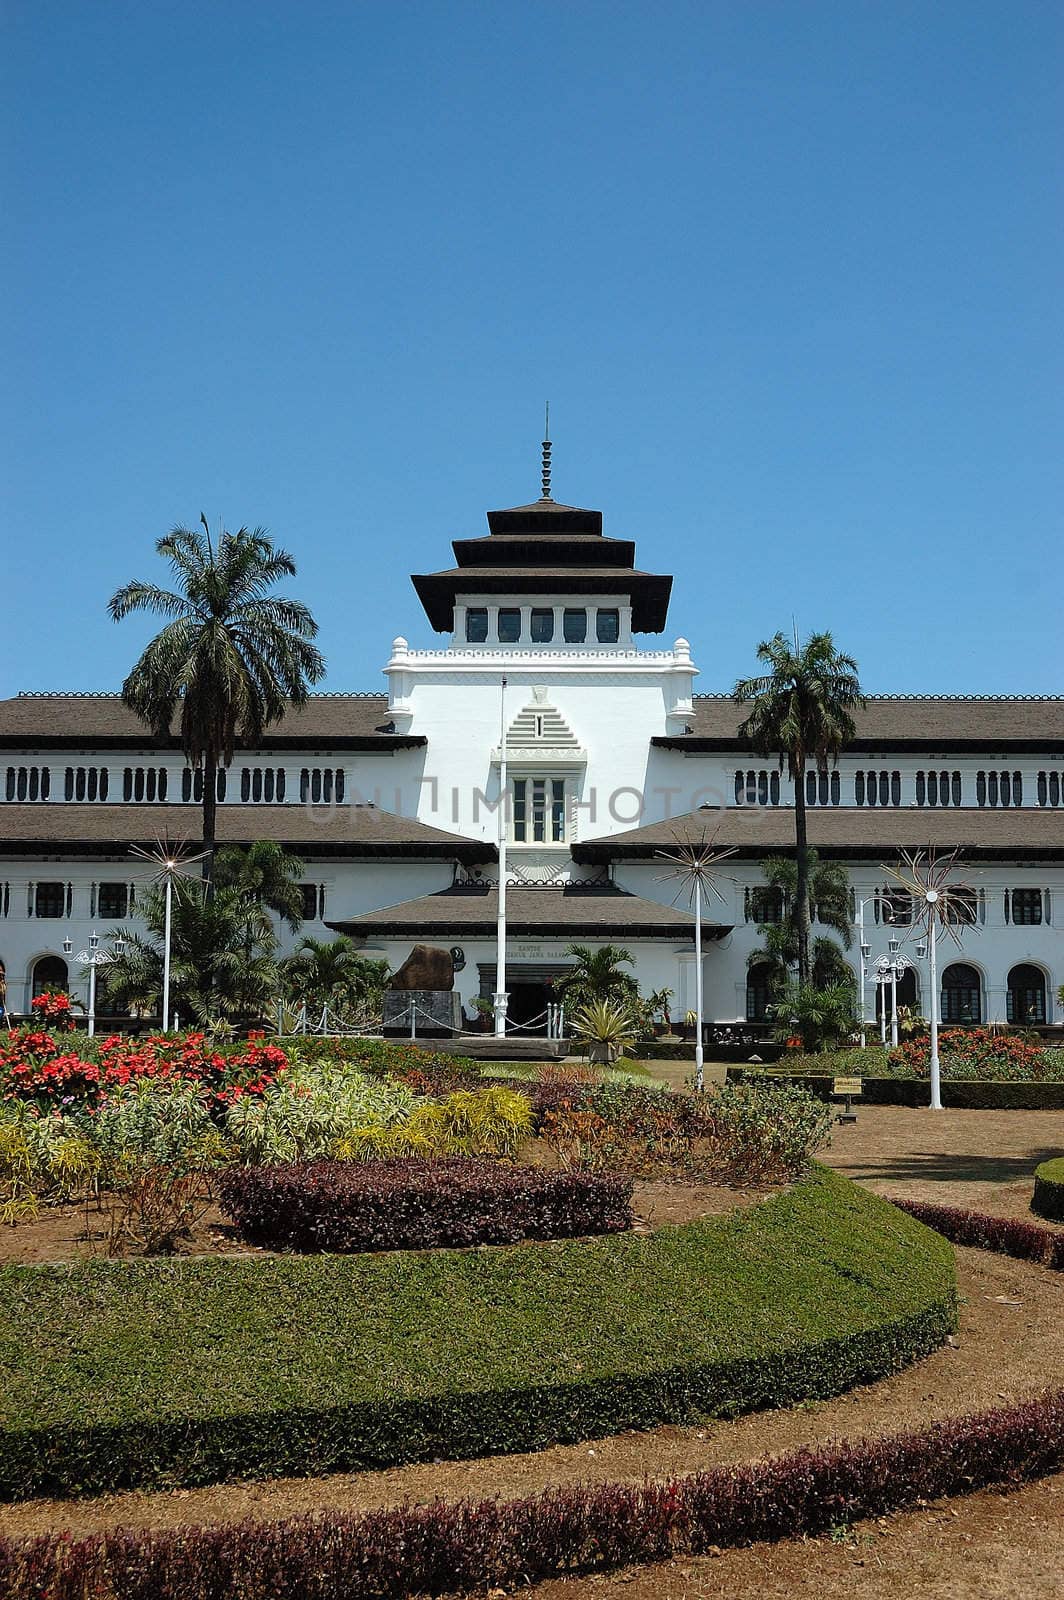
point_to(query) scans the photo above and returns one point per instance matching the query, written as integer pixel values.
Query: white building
(393, 799)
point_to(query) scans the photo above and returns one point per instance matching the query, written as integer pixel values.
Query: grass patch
(191, 1372)
(529, 1071)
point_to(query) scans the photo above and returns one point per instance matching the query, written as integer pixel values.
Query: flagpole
(501, 997)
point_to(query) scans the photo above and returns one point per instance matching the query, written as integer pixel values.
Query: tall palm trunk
(210, 815)
(801, 839)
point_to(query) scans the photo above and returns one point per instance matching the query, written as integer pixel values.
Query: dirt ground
(71, 1233)
(1010, 1342)
(983, 1160)
(987, 1547)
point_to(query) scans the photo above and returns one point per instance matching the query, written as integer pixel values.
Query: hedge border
(408, 1204)
(958, 1094)
(183, 1448)
(1048, 1198)
(445, 1547)
(1006, 1236)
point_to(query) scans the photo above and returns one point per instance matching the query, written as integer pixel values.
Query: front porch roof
(569, 911)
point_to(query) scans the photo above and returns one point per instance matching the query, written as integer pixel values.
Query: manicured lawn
(194, 1371)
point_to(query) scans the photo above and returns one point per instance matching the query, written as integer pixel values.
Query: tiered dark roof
(902, 722)
(1006, 834)
(360, 831)
(332, 721)
(545, 548)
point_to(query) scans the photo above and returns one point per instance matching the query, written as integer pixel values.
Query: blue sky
(789, 274)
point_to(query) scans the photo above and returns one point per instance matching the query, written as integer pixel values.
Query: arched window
(49, 972)
(961, 994)
(1025, 1000)
(758, 992)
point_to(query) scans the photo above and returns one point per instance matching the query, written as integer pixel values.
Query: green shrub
(1048, 1198)
(196, 1371)
(750, 1132)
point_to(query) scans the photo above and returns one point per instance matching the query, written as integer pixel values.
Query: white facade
(584, 719)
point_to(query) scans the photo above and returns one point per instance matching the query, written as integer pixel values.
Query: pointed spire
(546, 456)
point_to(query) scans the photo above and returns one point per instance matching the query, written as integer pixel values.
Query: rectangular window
(607, 626)
(574, 626)
(539, 810)
(542, 625)
(113, 900)
(49, 899)
(1026, 907)
(764, 904)
(509, 625)
(476, 624)
(309, 891)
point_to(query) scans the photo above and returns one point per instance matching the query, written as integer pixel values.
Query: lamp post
(694, 865)
(931, 898)
(92, 958)
(866, 951)
(501, 996)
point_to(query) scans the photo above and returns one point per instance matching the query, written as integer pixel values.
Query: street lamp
(926, 880)
(169, 861)
(92, 958)
(866, 951)
(695, 867)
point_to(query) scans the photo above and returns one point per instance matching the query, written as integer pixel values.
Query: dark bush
(1024, 1240)
(963, 1094)
(475, 1545)
(1048, 1198)
(418, 1205)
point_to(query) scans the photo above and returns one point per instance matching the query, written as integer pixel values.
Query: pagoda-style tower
(545, 575)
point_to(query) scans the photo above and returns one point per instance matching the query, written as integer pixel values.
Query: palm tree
(829, 893)
(223, 957)
(331, 972)
(801, 711)
(232, 657)
(264, 873)
(596, 975)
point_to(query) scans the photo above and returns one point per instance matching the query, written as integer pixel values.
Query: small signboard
(846, 1086)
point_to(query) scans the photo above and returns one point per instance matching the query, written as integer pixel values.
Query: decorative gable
(539, 736)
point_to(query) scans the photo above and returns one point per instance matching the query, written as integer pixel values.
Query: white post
(860, 951)
(699, 1062)
(932, 959)
(894, 1005)
(881, 989)
(166, 952)
(92, 994)
(413, 1019)
(501, 997)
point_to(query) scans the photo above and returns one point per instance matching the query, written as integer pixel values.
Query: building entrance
(531, 989)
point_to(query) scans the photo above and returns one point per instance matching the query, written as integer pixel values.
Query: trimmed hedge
(417, 1205)
(1024, 1240)
(189, 1372)
(440, 1548)
(958, 1094)
(1048, 1198)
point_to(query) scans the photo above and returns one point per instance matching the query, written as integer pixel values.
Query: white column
(493, 624)
(501, 997)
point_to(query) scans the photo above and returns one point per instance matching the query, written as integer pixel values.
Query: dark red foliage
(1024, 1240)
(417, 1205)
(442, 1548)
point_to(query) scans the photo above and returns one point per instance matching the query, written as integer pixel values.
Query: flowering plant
(53, 1007)
(34, 1067)
(975, 1053)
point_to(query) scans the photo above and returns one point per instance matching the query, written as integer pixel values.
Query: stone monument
(421, 998)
